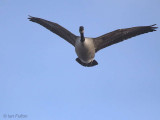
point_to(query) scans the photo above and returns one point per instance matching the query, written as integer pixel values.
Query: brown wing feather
(55, 28)
(120, 35)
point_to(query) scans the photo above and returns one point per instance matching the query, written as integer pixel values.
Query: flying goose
(86, 47)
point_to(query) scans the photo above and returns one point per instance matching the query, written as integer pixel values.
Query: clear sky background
(40, 78)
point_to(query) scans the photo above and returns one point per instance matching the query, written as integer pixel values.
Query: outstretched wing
(120, 35)
(55, 28)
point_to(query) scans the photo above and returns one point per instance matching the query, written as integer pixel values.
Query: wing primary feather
(120, 35)
(55, 28)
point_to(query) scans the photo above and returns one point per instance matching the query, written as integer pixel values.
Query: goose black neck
(82, 37)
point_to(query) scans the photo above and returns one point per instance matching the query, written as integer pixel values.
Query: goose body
(85, 50)
(86, 47)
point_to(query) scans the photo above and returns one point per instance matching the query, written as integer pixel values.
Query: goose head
(81, 30)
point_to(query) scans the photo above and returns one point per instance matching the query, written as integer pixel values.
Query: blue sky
(40, 78)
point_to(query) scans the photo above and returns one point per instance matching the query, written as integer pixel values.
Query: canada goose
(86, 47)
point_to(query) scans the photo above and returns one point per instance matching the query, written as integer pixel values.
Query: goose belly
(85, 51)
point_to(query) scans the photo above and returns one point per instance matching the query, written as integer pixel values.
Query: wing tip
(31, 18)
(153, 28)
